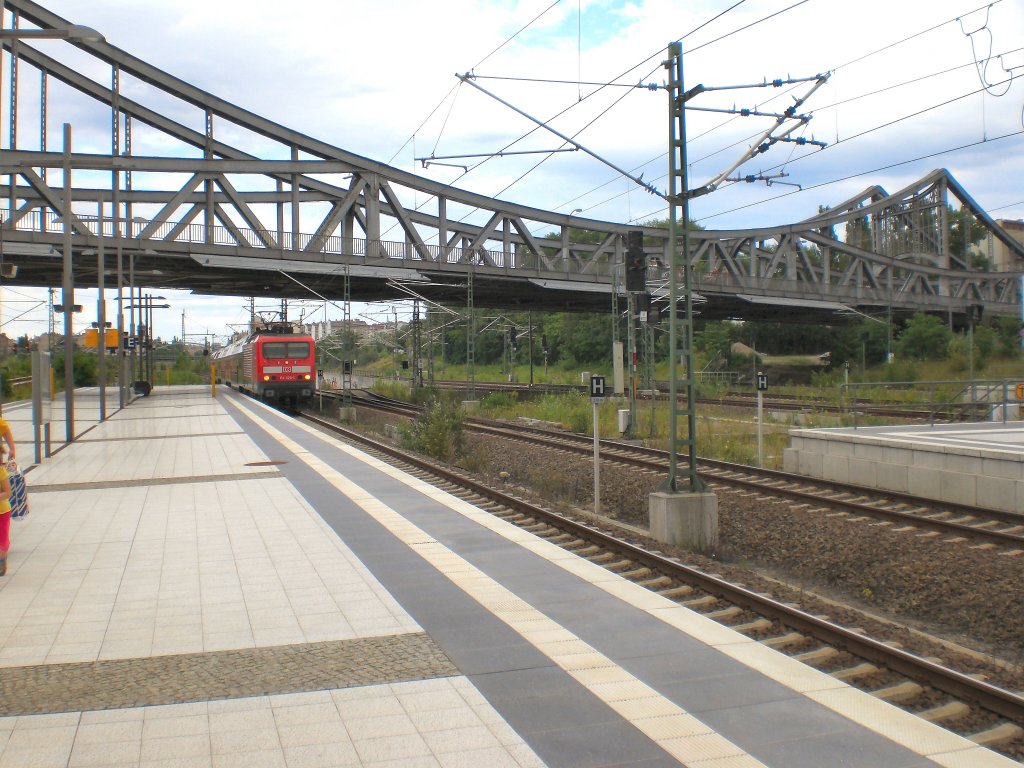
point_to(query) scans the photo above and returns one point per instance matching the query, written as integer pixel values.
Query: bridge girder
(188, 218)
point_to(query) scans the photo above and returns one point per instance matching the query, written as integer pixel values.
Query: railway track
(986, 713)
(972, 524)
(793, 403)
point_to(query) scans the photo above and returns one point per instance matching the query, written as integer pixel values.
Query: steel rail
(656, 460)
(989, 697)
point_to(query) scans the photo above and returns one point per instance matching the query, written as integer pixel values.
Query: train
(273, 363)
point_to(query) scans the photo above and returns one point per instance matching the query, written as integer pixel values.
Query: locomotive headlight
(306, 377)
(266, 378)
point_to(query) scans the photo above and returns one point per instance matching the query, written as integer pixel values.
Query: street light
(74, 32)
(147, 305)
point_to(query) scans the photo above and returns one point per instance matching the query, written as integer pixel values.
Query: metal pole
(681, 353)
(149, 337)
(101, 312)
(68, 297)
(597, 462)
(131, 313)
(760, 421)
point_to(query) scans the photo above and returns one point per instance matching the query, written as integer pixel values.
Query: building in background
(1002, 259)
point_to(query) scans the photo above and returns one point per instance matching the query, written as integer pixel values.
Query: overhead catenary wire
(479, 63)
(858, 174)
(584, 98)
(877, 51)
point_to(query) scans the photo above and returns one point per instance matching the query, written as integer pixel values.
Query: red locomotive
(272, 363)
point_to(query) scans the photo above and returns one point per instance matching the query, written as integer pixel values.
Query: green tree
(587, 338)
(1008, 332)
(86, 370)
(925, 337)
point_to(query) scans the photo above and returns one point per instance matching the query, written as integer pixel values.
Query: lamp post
(147, 303)
(74, 32)
(68, 296)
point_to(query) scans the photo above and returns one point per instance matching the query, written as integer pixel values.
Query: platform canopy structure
(219, 217)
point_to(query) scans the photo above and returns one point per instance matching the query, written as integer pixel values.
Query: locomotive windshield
(280, 350)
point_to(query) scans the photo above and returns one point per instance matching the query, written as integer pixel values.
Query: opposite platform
(206, 582)
(978, 464)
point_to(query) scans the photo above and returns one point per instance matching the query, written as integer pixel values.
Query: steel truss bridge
(289, 216)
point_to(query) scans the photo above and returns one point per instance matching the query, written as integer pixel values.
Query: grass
(724, 433)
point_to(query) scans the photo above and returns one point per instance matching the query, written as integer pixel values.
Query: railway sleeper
(851, 673)
(908, 689)
(824, 653)
(674, 592)
(513, 517)
(1000, 734)
(574, 545)
(563, 538)
(619, 566)
(637, 574)
(657, 583)
(948, 711)
(725, 613)
(786, 640)
(700, 602)
(758, 625)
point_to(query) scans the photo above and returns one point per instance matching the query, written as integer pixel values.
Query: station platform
(979, 464)
(204, 582)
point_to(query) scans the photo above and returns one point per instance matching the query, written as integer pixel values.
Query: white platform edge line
(692, 740)
(947, 744)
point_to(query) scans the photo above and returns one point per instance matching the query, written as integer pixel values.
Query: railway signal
(636, 262)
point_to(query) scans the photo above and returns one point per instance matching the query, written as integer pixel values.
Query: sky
(914, 85)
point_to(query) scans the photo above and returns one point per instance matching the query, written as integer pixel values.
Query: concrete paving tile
(178, 762)
(461, 740)
(194, 745)
(299, 735)
(166, 727)
(375, 706)
(252, 719)
(244, 740)
(98, 733)
(176, 710)
(97, 755)
(376, 727)
(322, 755)
(391, 748)
(267, 759)
(306, 714)
(415, 762)
(492, 757)
(39, 757)
(427, 721)
(25, 737)
(96, 717)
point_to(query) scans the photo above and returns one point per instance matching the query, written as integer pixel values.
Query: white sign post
(596, 396)
(762, 387)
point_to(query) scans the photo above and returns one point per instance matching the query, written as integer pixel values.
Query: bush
(436, 432)
(925, 338)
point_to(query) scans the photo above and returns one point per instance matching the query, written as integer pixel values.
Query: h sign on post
(596, 396)
(762, 382)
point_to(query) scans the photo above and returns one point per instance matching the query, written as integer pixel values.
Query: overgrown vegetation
(436, 432)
